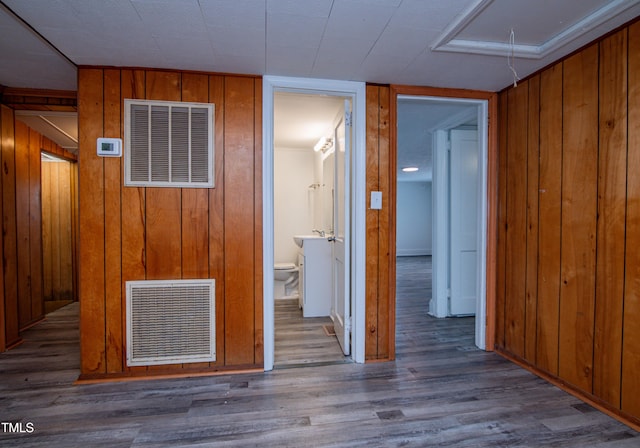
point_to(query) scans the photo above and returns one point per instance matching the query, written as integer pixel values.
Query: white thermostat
(109, 147)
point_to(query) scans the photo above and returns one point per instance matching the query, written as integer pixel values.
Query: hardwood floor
(303, 341)
(441, 391)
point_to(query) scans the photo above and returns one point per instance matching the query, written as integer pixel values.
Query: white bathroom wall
(414, 219)
(293, 200)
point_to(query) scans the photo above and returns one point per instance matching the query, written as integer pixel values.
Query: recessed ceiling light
(410, 169)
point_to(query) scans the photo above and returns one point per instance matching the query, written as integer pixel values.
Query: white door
(464, 221)
(341, 307)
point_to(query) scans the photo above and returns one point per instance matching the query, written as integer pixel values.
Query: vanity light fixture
(410, 169)
(323, 144)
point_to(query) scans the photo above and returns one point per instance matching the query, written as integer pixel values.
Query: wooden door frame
(492, 192)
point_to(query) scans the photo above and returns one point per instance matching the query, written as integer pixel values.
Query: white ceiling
(441, 43)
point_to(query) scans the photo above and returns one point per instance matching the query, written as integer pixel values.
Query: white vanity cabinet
(314, 277)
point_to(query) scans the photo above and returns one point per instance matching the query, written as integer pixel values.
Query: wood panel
(22, 223)
(239, 219)
(516, 235)
(588, 281)
(57, 233)
(579, 207)
(387, 233)
(501, 269)
(5, 115)
(549, 226)
(612, 185)
(380, 227)
(92, 218)
(533, 155)
(169, 233)
(258, 285)
(112, 226)
(372, 290)
(216, 216)
(133, 203)
(9, 231)
(46, 181)
(630, 396)
(35, 226)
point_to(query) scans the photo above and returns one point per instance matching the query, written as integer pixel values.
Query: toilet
(285, 277)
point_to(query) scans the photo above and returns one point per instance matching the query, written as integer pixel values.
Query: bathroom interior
(304, 145)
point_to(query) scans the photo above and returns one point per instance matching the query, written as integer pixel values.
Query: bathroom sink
(299, 239)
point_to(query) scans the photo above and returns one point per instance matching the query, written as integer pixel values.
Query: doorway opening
(308, 199)
(316, 238)
(59, 183)
(442, 206)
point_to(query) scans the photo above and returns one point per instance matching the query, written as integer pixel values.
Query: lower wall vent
(170, 321)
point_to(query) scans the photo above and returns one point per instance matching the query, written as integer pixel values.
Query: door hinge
(347, 118)
(347, 324)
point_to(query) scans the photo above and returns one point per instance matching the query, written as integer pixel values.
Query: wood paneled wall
(28, 224)
(569, 206)
(129, 233)
(380, 242)
(58, 231)
(21, 242)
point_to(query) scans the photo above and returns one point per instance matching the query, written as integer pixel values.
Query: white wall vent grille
(170, 322)
(168, 144)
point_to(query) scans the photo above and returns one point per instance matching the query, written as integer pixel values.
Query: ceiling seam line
(37, 33)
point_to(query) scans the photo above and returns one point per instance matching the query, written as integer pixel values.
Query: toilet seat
(284, 266)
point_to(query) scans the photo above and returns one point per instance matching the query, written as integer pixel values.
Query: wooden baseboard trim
(147, 376)
(621, 416)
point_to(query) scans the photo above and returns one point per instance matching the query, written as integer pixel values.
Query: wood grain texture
(549, 226)
(92, 232)
(239, 219)
(630, 396)
(387, 235)
(9, 231)
(5, 115)
(587, 264)
(516, 235)
(57, 232)
(133, 209)
(372, 218)
(22, 223)
(258, 298)
(35, 227)
(216, 215)
(501, 262)
(169, 233)
(579, 208)
(612, 192)
(533, 156)
(113, 226)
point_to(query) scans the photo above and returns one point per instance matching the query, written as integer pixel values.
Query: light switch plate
(376, 200)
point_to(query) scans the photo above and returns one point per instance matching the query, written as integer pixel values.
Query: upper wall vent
(170, 322)
(169, 144)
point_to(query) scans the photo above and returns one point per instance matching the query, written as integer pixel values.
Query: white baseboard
(412, 252)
